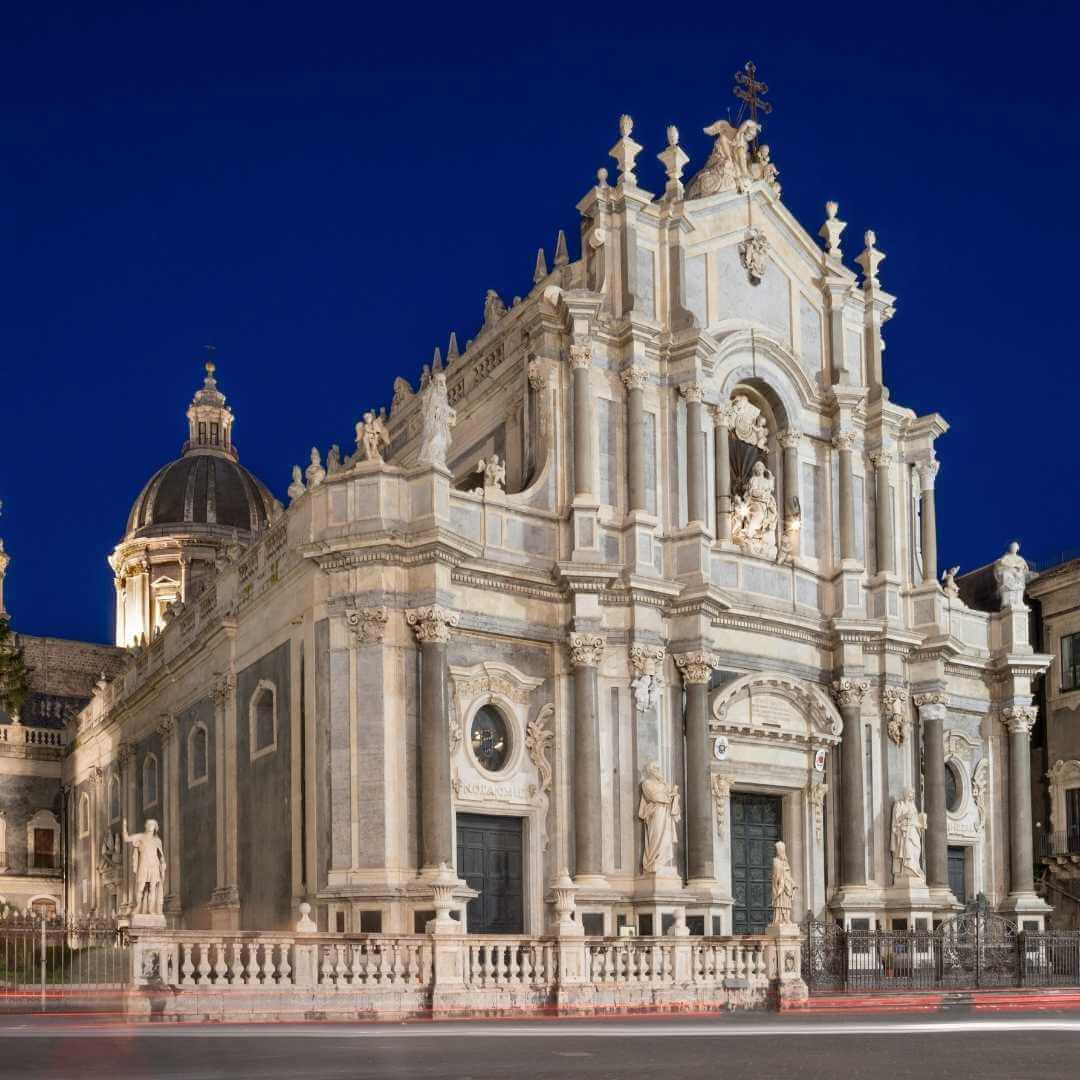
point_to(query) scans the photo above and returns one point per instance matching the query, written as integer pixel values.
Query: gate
(43, 959)
(973, 950)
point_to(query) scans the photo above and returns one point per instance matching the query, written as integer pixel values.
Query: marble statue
(754, 514)
(745, 419)
(729, 163)
(148, 867)
(333, 460)
(494, 308)
(660, 809)
(948, 581)
(764, 168)
(403, 392)
(315, 473)
(1011, 573)
(908, 826)
(783, 886)
(296, 488)
(437, 418)
(494, 472)
(372, 437)
(111, 852)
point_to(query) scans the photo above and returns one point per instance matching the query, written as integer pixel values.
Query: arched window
(114, 798)
(149, 781)
(84, 814)
(198, 755)
(262, 719)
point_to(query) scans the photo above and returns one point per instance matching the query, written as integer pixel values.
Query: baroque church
(640, 582)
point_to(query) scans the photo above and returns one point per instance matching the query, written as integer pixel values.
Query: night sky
(325, 191)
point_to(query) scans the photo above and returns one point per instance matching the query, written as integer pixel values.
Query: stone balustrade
(26, 735)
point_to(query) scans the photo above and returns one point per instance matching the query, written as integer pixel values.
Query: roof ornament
(747, 89)
(452, 349)
(540, 271)
(315, 472)
(436, 360)
(870, 259)
(562, 256)
(625, 151)
(831, 230)
(674, 160)
(494, 308)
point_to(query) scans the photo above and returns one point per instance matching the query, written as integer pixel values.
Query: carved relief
(587, 650)
(721, 793)
(754, 514)
(647, 683)
(696, 667)
(754, 255)
(728, 166)
(894, 711)
(744, 418)
(432, 624)
(368, 625)
(817, 792)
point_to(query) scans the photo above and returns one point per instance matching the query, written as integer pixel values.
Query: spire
(540, 271)
(436, 360)
(562, 256)
(209, 418)
(452, 350)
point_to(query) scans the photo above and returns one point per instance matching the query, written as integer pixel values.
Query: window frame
(82, 816)
(1070, 673)
(192, 779)
(151, 758)
(255, 751)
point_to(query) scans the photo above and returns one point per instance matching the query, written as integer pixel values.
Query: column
(120, 584)
(886, 558)
(849, 695)
(789, 443)
(586, 655)
(148, 600)
(695, 454)
(125, 757)
(1018, 722)
(721, 415)
(634, 379)
(928, 471)
(843, 444)
(932, 711)
(697, 668)
(433, 625)
(225, 901)
(185, 562)
(170, 773)
(581, 363)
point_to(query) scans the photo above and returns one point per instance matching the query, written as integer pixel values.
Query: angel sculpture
(372, 437)
(729, 163)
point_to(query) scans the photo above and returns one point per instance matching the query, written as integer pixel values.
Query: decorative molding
(849, 692)
(816, 793)
(721, 793)
(432, 624)
(894, 701)
(697, 667)
(586, 650)
(754, 254)
(491, 678)
(368, 625)
(538, 740)
(824, 722)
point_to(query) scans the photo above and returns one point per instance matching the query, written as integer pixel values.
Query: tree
(14, 674)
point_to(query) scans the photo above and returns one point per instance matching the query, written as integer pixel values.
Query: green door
(756, 825)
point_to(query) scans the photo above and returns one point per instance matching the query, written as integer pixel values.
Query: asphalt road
(1010, 1047)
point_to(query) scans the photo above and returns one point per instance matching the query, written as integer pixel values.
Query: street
(762, 1046)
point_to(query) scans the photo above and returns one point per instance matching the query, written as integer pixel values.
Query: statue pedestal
(911, 900)
(784, 961)
(143, 921)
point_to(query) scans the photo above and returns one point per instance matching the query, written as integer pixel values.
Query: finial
(870, 259)
(750, 92)
(601, 178)
(626, 125)
(562, 256)
(674, 160)
(452, 350)
(540, 271)
(436, 360)
(831, 230)
(625, 151)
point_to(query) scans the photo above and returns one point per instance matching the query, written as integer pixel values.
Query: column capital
(166, 726)
(697, 667)
(928, 471)
(367, 624)
(1019, 719)
(634, 377)
(581, 355)
(790, 438)
(934, 697)
(222, 687)
(586, 649)
(693, 392)
(124, 753)
(723, 414)
(844, 440)
(882, 459)
(432, 624)
(538, 379)
(849, 692)
(645, 659)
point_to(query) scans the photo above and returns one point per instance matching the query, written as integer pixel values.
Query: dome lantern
(209, 419)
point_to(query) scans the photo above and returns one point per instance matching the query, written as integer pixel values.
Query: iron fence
(973, 950)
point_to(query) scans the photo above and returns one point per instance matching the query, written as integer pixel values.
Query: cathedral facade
(641, 582)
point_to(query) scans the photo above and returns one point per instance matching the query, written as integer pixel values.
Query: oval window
(490, 738)
(954, 787)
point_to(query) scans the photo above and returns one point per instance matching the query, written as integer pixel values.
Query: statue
(754, 254)
(315, 473)
(372, 437)
(660, 810)
(948, 581)
(783, 886)
(494, 472)
(333, 460)
(437, 418)
(110, 853)
(908, 826)
(764, 169)
(148, 868)
(403, 392)
(728, 165)
(754, 514)
(1011, 573)
(494, 308)
(296, 488)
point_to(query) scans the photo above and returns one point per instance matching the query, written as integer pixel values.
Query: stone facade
(696, 595)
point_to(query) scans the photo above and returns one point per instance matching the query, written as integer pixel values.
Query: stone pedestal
(910, 898)
(784, 961)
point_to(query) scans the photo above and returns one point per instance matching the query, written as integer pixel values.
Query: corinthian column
(928, 471)
(695, 454)
(586, 655)
(933, 709)
(1018, 722)
(433, 625)
(843, 443)
(849, 694)
(721, 415)
(789, 442)
(697, 669)
(886, 555)
(581, 362)
(634, 379)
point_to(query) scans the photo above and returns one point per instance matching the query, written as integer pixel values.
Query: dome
(205, 488)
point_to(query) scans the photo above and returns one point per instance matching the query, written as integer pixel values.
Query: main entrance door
(755, 827)
(489, 859)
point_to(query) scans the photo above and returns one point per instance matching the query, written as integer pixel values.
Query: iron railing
(1061, 843)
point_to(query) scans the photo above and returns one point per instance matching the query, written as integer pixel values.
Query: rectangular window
(213, 434)
(44, 849)
(202, 431)
(1070, 662)
(1072, 818)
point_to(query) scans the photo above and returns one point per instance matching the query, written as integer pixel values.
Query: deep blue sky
(326, 190)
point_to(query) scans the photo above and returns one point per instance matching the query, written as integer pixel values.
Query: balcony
(1061, 845)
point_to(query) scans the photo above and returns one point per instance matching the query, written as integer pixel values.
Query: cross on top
(750, 92)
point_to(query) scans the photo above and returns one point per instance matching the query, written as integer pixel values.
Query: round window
(490, 739)
(954, 787)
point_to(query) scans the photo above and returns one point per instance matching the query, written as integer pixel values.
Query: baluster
(528, 964)
(339, 965)
(204, 964)
(221, 969)
(356, 973)
(187, 968)
(384, 963)
(233, 964)
(396, 971)
(285, 968)
(325, 978)
(489, 964)
(513, 965)
(248, 972)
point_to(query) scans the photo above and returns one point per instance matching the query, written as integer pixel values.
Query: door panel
(756, 825)
(490, 860)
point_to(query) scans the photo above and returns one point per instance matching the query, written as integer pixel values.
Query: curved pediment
(776, 705)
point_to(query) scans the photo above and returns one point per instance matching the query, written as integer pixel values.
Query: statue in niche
(1011, 574)
(754, 513)
(148, 867)
(661, 810)
(906, 835)
(729, 163)
(783, 886)
(372, 437)
(437, 418)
